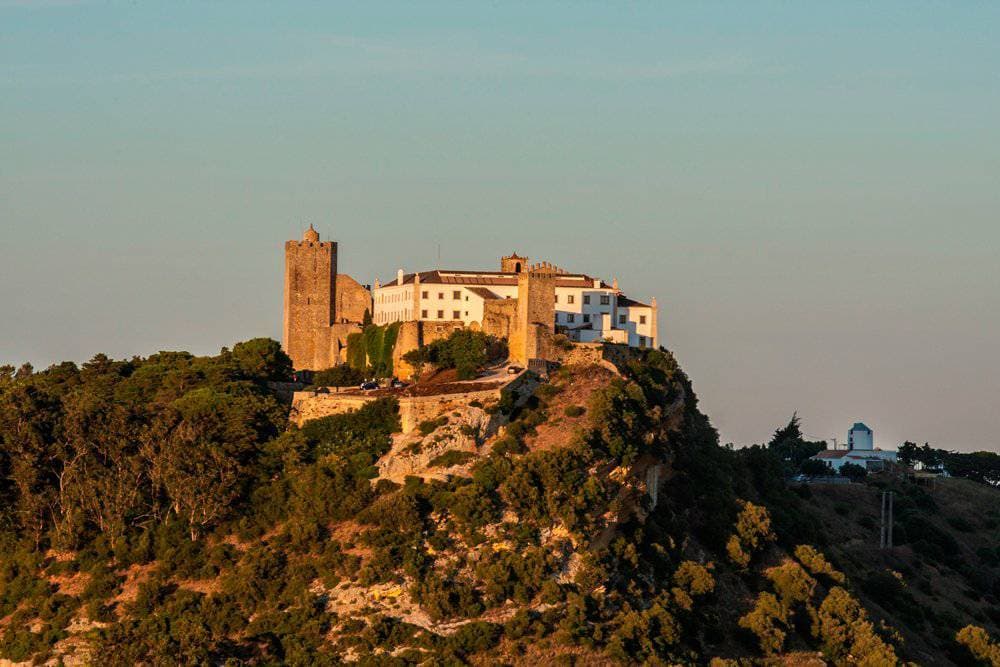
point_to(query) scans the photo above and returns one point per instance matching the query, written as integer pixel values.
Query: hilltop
(166, 510)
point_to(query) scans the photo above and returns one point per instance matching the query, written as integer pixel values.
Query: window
(586, 318)
(557, 318)
(642, 341)
(622, 319)
(440, 314)
(571, 318)
(456, 295)
(456, 315)
(440, 295)
(570, 298)
(605, 299)
(425, 294)
(557, 298)
(586, 299)
(642, 319)
(423, 314)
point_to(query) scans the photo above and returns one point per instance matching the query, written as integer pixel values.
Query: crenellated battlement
(543, 270)
(289, 245)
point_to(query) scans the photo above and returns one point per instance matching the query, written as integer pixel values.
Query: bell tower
(513, 263)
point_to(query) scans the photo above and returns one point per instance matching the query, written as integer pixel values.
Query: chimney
(399, 277)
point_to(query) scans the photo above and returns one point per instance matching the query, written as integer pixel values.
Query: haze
(811, 191)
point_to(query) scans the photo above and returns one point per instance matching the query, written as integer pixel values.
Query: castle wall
(407, 339)
(351, 300)
(499, 317)
(413, 334)
(307, 405)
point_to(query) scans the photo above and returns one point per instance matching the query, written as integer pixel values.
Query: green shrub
(428, 426)
(574, 410)
(342, 375)
(452, 457)
(464, 350)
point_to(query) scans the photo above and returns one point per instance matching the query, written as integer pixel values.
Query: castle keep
(528, 304)
(322, 307)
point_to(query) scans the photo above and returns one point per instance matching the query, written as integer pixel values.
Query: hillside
(164, 511)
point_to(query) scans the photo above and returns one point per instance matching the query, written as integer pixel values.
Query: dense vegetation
(342, 375)
(166, 505)
(983, 467)
(370, 351)
(464, 350)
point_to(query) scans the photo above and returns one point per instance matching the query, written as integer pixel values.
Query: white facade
(873, 459)
(860, 437)
(586, 309)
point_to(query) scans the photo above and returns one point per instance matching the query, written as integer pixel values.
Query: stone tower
(531, 337)
(513, 263)
(310, 298)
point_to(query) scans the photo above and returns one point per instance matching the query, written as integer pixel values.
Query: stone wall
(352, 300)
(500, 317)
(308, 405)
(412, 335)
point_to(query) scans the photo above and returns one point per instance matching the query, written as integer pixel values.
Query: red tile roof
(832, 454)
(441, 277)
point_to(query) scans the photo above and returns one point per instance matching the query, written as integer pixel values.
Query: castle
(528, 304)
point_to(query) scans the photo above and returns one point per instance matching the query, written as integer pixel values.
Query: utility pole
(890, 519)
(885, 537)
(882, 535)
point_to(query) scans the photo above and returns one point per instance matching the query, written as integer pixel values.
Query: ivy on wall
(371, 350)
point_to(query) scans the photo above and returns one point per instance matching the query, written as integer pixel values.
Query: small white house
(860, 451)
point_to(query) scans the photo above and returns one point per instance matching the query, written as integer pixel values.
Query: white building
(860, 451)
(860, 437)
(586, 309)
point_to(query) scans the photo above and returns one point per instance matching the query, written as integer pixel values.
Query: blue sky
(812, 191)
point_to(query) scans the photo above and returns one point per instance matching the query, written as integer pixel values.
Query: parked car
(514, 370)
(323, 390)
(368, 385)
(397, 383)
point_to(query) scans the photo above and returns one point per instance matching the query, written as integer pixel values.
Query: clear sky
(811, 190)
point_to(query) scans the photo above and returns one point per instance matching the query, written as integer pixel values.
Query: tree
(767, 621)
(199, 459)
(753, 531)
(792, 431)
(814, 468)
(979, 644)
(843, 626)
(262, 359)
(464, 350)
(855, 472)
(342, 375)
(816, 562)
(907, 453)
(791, 448)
